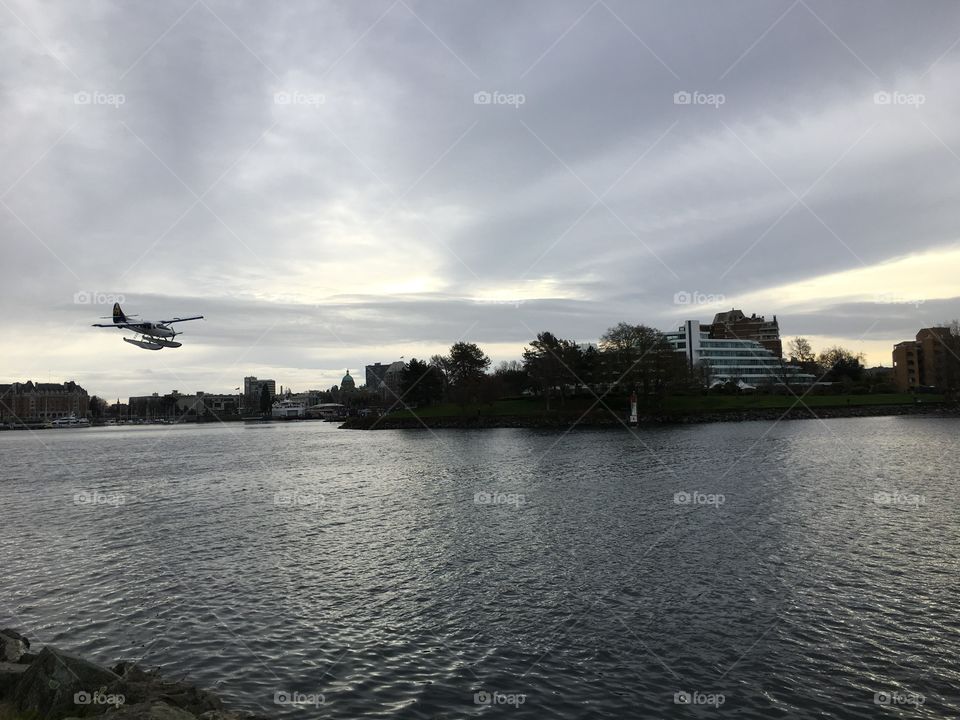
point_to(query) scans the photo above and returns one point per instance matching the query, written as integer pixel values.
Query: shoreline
(54, 684)
(608, 420)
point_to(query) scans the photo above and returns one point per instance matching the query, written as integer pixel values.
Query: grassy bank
(679, 405)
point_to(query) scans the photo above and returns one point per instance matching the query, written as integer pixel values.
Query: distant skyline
(337, 184)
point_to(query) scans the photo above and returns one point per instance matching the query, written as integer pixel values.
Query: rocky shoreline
(563, 421)
(57, 685)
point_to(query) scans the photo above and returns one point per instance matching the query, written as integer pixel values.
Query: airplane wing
(117, 325)
(195, 317)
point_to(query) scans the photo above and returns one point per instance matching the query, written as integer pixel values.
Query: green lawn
(678, 405)
(719, 403)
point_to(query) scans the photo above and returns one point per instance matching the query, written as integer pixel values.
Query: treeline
(628, 358)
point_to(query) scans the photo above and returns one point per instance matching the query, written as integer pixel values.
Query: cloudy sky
(337, 183)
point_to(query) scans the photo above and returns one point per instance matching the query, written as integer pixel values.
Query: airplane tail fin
(118, 316)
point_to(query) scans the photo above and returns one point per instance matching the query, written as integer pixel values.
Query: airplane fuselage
(149, 328)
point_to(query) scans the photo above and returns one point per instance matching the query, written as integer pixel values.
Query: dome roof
(347, 382)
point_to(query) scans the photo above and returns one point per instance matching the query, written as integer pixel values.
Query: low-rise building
(174, 406)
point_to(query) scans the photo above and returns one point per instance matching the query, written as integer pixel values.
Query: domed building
(347, 385)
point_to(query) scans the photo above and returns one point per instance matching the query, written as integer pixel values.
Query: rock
(131, 672)
(50, 683)
(140, 686)
(148, 711)
(11, 633)
(10, 674)
(11, 648)
(27, 658)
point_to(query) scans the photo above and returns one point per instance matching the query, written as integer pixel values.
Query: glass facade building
(727, 359)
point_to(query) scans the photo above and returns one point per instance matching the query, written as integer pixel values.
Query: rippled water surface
(797, 569)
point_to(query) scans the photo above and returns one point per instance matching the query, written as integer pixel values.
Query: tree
(513, 378)
(801, 350)
(589, 364)
(98, 407)
(466, 366)
(639, 357)
(264, 400)
(421, 384)
(550, 362)
(841, 364)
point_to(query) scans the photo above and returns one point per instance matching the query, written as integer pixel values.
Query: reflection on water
(754, 570)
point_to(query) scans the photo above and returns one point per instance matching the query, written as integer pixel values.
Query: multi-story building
(252, 388)
(732, 359)
(30, 401)
(174, 406)
(392, 386)
(375, 375)
(734, 325)
(926, 361)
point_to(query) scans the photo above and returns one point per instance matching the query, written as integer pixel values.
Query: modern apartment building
(375, 374)
(732, 359)
(734, 325)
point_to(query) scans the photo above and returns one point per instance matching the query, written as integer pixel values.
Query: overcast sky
(334, 184)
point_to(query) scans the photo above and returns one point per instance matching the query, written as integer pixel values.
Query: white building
(743, 361)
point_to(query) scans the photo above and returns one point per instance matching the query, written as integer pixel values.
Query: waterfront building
(391, 387)
(31, 402)
(174, 406)
(732, 359)
(734, 325)
(252, 387)
(925, 361)
(375, 374)
(327, 410)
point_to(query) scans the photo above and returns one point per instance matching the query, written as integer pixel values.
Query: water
(414, 574)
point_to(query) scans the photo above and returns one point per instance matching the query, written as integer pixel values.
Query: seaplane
(154, 334)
